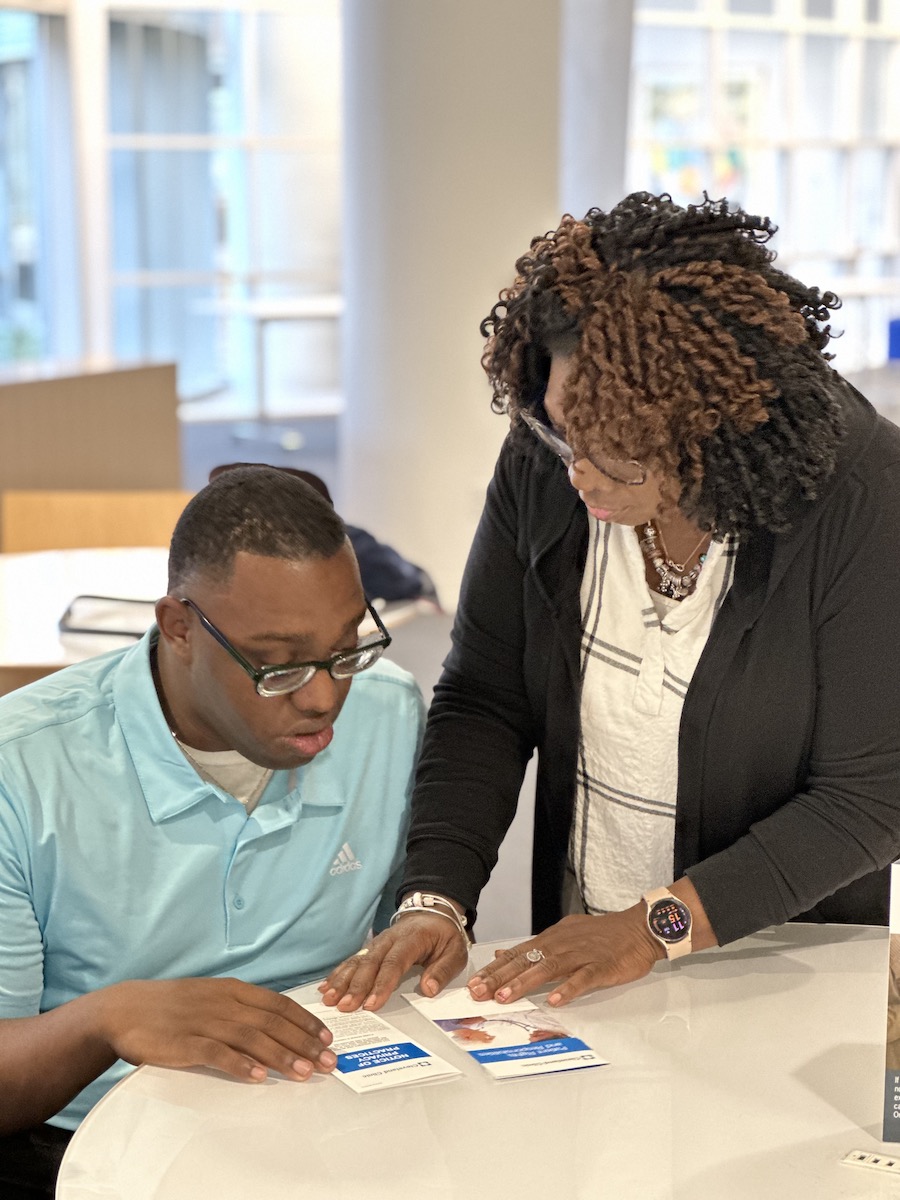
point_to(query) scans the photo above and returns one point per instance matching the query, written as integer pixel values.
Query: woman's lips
(602, 514)
(310, 744)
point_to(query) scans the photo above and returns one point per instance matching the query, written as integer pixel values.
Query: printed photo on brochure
(508, 1040)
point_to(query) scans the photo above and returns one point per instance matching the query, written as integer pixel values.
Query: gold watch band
(677, 946)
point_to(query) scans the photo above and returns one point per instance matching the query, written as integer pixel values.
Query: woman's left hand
(584, 952)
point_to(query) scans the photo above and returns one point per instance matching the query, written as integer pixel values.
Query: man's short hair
(260, 510)
(314, 480)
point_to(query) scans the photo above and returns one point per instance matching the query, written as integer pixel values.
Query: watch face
(670, 920)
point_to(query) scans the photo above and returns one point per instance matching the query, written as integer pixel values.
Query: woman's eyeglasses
(629, 474)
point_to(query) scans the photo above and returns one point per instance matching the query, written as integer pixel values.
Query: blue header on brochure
(379, 1056)
(548, 1049)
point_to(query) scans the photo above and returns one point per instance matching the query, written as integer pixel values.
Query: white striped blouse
(638, 654)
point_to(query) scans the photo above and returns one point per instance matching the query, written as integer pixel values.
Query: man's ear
(173, 619)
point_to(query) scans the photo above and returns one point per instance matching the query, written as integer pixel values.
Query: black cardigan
(788, 799)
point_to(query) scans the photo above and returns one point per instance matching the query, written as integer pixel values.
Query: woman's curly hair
(690, 352)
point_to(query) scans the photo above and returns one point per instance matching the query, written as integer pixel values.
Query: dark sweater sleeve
(480, 731)
(815, 855)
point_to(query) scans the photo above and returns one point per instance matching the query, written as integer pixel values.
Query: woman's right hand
(369, 977)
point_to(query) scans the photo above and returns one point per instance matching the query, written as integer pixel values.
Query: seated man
(186, 829)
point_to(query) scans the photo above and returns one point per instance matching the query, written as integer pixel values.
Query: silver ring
(534, 955)
(362, 953)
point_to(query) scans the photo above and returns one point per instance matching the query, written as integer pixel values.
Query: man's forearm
(46, 1060)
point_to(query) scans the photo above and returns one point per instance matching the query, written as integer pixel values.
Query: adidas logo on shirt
(345, 861)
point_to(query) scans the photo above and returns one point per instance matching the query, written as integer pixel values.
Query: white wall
(450, 167)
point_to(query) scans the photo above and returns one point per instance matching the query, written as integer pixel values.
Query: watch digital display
(669, 920)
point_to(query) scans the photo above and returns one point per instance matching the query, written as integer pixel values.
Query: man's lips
(309, 744)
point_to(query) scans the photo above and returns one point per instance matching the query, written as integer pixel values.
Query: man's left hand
(584, 952)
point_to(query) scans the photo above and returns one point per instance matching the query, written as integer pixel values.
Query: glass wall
(224, 150)
(211, 170)
(790, 109)
(39, 298)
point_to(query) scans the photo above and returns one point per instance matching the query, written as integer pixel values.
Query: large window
(792, 108)
(224, 157)
(39, 296)
(205, 206)
(204, 211)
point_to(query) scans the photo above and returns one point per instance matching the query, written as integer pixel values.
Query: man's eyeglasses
(629, 474)
(279, 681)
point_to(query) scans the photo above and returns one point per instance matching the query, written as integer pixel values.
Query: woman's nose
(585, 477)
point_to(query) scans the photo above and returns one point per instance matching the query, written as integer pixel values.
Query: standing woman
(684, 593)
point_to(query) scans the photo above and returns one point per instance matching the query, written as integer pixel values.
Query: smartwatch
(669, 920)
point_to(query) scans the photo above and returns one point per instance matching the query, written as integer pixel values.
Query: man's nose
(319, 696)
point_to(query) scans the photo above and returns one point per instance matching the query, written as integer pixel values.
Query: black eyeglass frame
(259, 675)
(560, 447)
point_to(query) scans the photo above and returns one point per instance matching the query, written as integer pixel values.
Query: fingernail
(257, 1074)
(326, 1036)
(503, 995)
(327, 1059)
(301, 1067)
(556, 998)
(477, 989)
(430, 988)
(371, 1001)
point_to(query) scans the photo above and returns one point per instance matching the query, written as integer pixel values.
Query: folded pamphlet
(509, 1040)
(372, 1054)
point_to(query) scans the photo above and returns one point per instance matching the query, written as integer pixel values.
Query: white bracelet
(432, 912)
(427, 902)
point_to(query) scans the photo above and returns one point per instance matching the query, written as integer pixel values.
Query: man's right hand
(239, 1028)
(369, 978)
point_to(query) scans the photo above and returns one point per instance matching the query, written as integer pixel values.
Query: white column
(88, 41)
(596, 75)
(451, 161)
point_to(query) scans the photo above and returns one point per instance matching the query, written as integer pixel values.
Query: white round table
(742, 1072)
(35, 590)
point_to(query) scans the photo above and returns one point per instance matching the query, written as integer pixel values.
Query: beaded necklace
(675, 581)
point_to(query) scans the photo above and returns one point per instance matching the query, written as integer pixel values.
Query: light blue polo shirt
(117, 861)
